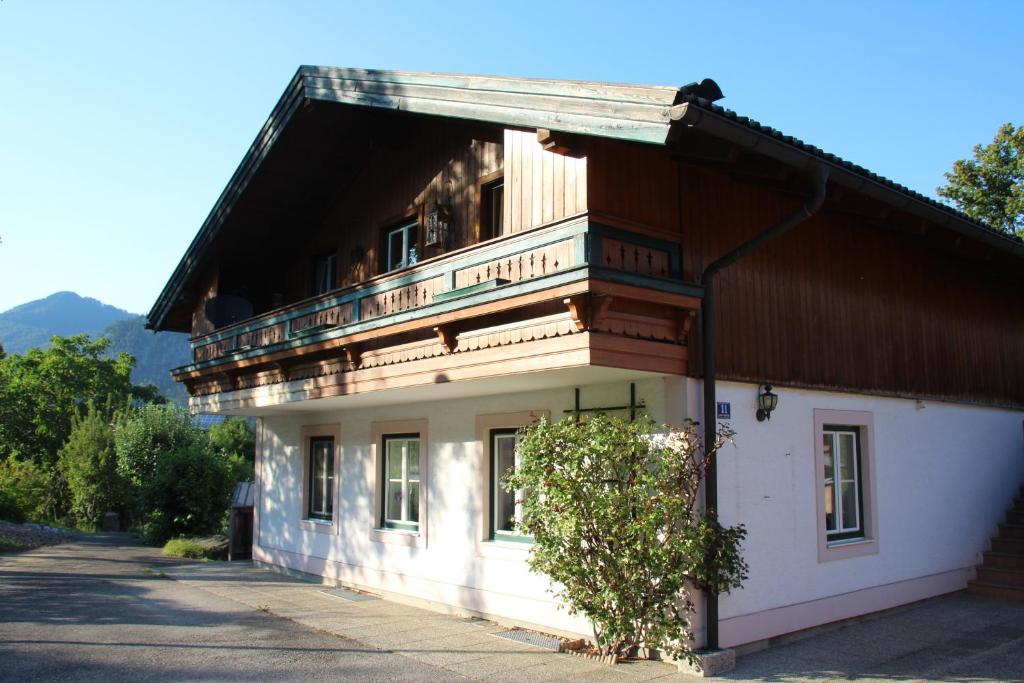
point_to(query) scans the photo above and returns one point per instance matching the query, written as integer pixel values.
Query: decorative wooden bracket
(578, 309)
(587, 310)
(447, 335)
(353, 354)
(563, 144)
(228, 378)
(685, 325)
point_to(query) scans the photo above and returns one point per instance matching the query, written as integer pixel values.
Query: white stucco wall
(944, 475)
(450, 569)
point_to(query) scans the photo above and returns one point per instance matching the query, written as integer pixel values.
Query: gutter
(807, 158)
(707, 323)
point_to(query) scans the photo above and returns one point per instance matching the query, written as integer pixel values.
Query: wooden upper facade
(316, 274)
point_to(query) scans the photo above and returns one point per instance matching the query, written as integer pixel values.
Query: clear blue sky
(121, 122)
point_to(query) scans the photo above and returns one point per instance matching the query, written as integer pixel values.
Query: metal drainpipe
(707, 279)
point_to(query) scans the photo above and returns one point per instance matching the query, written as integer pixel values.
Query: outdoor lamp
(766, 403)
(437, 223)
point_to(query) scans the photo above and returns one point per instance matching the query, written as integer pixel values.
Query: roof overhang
(632, 113)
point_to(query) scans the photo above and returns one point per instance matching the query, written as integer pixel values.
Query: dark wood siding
(839, 304)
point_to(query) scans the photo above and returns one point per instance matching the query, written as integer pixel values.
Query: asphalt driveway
(98, 610)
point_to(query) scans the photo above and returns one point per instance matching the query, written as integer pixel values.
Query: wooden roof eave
(625, 112)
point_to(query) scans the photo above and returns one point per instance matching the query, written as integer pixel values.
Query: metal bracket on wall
(632, 406)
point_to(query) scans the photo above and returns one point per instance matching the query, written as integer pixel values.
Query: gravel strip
(33, 535)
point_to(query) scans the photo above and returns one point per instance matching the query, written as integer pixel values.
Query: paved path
(98, 609)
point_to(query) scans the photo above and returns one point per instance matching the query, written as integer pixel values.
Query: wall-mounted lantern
(766, 403)
(438, 223)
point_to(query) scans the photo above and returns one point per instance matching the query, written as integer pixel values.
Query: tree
(147, 434)
(990, 187)
(234, 440)
(89, 465)
(614, 511)
(188, 493)
(43, 390)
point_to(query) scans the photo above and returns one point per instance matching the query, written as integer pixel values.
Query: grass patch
(205, 548)
(8, 544)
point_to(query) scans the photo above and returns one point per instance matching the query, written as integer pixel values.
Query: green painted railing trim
(471, 289)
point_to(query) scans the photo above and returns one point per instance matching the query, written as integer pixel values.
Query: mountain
(63, 313)
(155, 354)
(67, 313)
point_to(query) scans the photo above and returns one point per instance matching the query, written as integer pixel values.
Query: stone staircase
(1002, 573)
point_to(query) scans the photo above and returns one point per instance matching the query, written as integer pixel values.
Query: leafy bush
(187, 494)
(28, 491)
(614, 511)
(209, 548)
(89, 465)
(234, 440)
(147, 434)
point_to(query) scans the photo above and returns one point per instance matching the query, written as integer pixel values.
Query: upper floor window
(492, 202)
(325, 272)
(401, 246)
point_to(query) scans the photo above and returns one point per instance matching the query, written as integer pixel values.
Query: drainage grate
(531, 638)
(351, 596)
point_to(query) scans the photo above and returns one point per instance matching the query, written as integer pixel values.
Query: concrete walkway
(458, 646)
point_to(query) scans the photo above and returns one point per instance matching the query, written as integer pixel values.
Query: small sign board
(724, 411)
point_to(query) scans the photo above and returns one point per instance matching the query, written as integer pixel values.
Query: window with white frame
(843, 494)
(401, 465)
(506, 506)
(321, 478)
(402, 246)
(325, 272)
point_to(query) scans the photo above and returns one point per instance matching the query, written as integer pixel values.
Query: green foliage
(209, 548)
(990, 187)
(8, 544)
(28, 491)
(42, 391)
(187, 493)
(614, 511)
(89, 465)
(235, 440)
(149, 433)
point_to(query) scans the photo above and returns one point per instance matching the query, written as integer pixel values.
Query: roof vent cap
(706, 89)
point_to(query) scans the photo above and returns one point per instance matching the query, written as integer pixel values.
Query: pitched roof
(635, 113)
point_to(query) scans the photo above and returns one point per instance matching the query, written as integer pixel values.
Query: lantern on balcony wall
(438, 224)
(766, 403)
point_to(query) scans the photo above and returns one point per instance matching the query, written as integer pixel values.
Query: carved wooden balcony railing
(462, 299)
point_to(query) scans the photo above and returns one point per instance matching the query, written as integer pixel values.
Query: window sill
(322, 526)
(497, 549)
(846, 549)
(398, 537)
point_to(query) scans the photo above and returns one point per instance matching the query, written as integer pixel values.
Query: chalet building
(407, 267)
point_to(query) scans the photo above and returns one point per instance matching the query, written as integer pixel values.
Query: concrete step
(1012, 546)
(995, 590)
(997, 560)
(1011, 531)
(1002, 576)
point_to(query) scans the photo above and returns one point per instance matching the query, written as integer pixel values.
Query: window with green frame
(400, 507)
(506, 506)
(321, 478)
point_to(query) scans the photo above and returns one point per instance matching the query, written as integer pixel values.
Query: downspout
(707, 313)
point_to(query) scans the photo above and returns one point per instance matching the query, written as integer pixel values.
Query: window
(401, 246)
(492, 202)
(506, 506)
(843, 498)
(844, 463)
(321, 478)
(325, 273)
(401, 503)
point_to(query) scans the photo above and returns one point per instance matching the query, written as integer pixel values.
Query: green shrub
(209, 548)
(8, 544)
(147, 434)
(28, 491)
(89, 465)
(187, 494)
(614, 511)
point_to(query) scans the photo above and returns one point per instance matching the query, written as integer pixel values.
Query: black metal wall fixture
(632, 406)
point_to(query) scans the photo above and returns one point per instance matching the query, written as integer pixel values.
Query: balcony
(573, 294)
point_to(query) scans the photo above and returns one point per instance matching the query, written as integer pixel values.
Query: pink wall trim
(750, 628)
